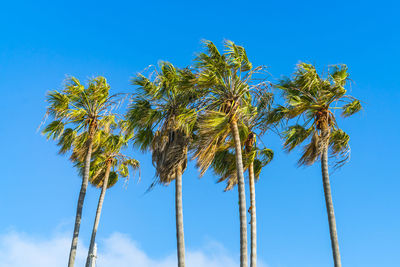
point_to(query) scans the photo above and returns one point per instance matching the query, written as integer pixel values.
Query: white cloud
(21, 250)
(118, 250)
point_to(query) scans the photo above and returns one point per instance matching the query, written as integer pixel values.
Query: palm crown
(227, 78)
(314, 99)
(82, 110)
(109, 154)
(154, 115)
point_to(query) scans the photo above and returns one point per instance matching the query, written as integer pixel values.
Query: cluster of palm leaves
(215, 113)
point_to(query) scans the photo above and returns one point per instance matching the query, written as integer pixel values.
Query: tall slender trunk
(242, 194)
(179, 219)
(98, 213)
(81, 199)
(329, 207)
(253, 222)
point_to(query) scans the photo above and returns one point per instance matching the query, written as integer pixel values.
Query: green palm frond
(295, 135)
(107, 122)
(224, 166)
(276, 115)
(54, 129)
(339, 141)
(237, 57)
(67, 140)
(265, 156)
(58, 104)
(143, 139)
(141, 114)
(339, 146)
(123, 170)
(339, 74)
(112, 179)
(186, 120)
(351, 108)
(213, 131)
(77, 115)
(144, 84)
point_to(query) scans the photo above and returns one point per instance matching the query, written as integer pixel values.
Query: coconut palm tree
(78, 112)
(311, 100)
(153, 115)
(107, 166)
(228, 79)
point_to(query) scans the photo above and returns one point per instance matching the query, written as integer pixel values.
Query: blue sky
(43, 41)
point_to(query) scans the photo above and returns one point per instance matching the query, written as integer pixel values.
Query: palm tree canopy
(224, 164)
(313, 100)
(109, 153)
(78, 112)
(228, 80)
(155, 113)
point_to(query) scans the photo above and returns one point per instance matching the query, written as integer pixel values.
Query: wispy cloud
(22, 250)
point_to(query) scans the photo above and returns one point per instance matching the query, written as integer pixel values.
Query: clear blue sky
(43, 41)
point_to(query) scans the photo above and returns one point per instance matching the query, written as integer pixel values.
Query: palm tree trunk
(329, 208)
(179, 219)
(242, 194)
(81, 199)
(253, 222)
(98, 213)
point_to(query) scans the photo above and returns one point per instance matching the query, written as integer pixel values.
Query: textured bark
(98, 213)
(329, 207)
(253, 222)
(179, 219)
(81, 199)
(242, 195)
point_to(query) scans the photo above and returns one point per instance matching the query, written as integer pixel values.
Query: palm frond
(339, 147)
(67, 140)
(351, 108)
(54, 129)
(295, 135)
(311, 151)
(213, 130)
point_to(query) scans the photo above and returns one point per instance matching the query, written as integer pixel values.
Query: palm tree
(228, 79)
(83, 111)
(224, 166)
(255, 159)
(107, 166)
(154, 115)
(312, 100)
